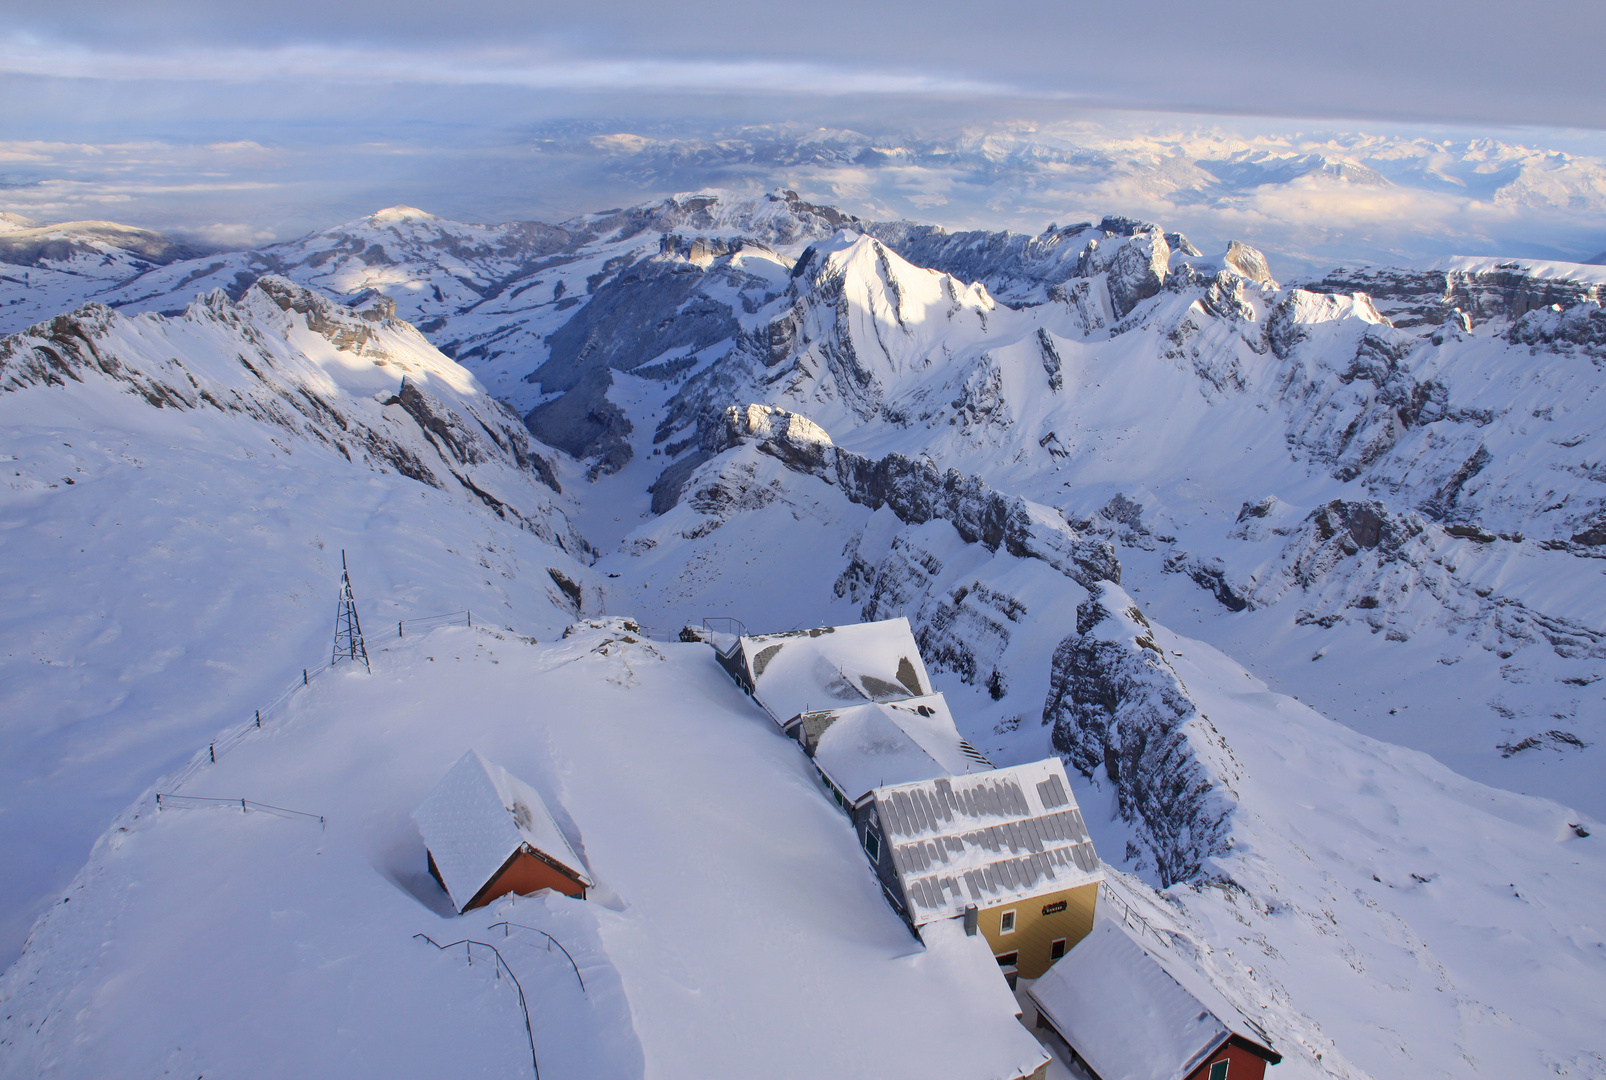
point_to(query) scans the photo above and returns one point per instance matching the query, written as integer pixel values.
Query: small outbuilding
(1132, 1012)
(488, 833)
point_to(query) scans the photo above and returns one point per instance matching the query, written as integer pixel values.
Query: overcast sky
(253, 121)
(1455, 60)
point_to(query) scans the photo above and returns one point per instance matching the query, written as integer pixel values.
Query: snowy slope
(178, 493)
(1421, 922)
(716, 942)
(48, 269)
(1376, 493)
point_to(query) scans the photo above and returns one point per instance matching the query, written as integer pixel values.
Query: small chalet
(826, 668)
(1006, 850)
(1131, 1012)
(861, 747)
(487, 833)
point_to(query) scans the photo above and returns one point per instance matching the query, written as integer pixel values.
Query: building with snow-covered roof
(862, 747)
(1004, 849)
(827, 667)
(488, 833)
(1129, 1011)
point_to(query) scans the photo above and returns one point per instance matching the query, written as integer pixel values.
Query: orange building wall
(1241, 1064)
(527, 874)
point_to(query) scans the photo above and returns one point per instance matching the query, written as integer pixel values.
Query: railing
(524, 1004)
(177, 802)
(1129, 917)
(723, 633)
(550, 941)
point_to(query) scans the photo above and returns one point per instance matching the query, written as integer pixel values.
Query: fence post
(211, 752)
(158, 802)
(242, 806)
(303, 676)
(259, 718)
(470, 615)
(399, 629)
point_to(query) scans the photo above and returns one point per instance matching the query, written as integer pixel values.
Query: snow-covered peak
(10, 222)
(393, 214)
(780, 217)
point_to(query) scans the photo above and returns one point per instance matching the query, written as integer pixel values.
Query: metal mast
(348, 630)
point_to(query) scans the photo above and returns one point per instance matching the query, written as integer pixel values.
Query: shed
(826, 667)
(488, 833)
(1006, 848)
(1134, 1012)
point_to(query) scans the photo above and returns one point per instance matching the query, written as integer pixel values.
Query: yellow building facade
(1038, 930)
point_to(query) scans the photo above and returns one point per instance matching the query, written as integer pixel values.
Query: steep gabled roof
(833, 666)
(875, 744)
(985, 838)
(1137, 1013)
(477, 818)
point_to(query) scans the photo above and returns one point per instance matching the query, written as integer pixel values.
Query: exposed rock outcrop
(917, 491)
(1117, 708)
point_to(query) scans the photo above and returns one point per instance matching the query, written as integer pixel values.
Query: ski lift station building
(488, 833)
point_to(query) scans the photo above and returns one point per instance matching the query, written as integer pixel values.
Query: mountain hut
(1005, 850)
(488, 833)
(1129, 1011)
(826, 667)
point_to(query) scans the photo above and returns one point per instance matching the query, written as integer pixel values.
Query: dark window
(1218, 1070)
(872, 846)
(1056, 949)
(1006, 922)
(1008, 960)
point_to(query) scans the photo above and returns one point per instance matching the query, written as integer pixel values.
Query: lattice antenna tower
(348, 630)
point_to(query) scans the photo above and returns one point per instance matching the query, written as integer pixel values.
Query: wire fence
(501, 965)
(231, 737)
(166, 800)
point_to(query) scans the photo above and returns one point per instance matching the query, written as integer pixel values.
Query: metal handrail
(1128, 914)
(523, 1003)
(551, 941)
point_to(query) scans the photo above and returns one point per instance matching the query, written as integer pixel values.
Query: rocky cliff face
(1118, 710)
(416, 413)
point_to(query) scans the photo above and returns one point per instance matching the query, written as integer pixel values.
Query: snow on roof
(1129, 1015)
(834, 665)
(477, 817)
(985, 839)
(872, 745)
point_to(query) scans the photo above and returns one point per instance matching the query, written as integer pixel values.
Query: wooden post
(399, 629)
(211, 752)
(303, 676)
(259, 718)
